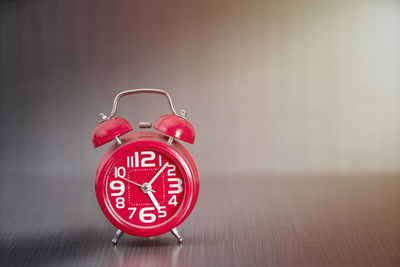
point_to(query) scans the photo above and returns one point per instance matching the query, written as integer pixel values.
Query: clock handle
(136, 91)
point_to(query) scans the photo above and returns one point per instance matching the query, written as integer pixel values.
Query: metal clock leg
(176, 234)
(117, 236)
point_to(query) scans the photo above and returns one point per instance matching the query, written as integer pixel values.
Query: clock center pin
(146, 187)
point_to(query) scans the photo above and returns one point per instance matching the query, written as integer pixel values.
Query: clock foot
(176, 234)
(117, 236)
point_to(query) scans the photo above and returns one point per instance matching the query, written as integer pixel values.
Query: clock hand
(154, 200)
(132, 182)
(158, 173)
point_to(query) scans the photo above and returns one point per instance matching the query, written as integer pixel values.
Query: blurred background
(282, 87)
(273, 88)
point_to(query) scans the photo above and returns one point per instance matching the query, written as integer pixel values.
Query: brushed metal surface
(239, 221)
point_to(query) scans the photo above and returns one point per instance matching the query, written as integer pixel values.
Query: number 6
(142, 215)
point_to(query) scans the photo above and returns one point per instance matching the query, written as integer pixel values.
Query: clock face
(144, 188)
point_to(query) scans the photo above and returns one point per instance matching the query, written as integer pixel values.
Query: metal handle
(135, 91)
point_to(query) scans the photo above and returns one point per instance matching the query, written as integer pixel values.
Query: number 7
(133, 212)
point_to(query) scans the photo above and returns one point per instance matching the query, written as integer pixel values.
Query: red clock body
(146, 186)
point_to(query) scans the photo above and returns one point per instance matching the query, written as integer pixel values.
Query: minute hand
(158, 173)
(154, 200)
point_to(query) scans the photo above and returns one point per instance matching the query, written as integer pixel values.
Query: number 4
(173, 201)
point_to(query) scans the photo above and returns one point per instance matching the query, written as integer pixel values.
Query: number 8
(120, 202)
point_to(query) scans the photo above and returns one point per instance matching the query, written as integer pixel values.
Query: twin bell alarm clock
(147, 183)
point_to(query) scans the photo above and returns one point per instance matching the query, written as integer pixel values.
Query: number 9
(117, 185)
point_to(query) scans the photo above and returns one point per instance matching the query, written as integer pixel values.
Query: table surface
(242, 221)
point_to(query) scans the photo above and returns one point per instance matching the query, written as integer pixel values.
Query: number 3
(178, 186)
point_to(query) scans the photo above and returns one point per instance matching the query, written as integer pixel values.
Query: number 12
(146, 156)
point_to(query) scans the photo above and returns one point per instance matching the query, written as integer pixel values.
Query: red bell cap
(108, 130)
(176, 127)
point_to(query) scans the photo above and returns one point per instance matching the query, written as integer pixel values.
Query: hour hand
(132, 182)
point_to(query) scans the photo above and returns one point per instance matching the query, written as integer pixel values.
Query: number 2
(171, 172)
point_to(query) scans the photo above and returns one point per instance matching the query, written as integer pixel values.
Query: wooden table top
(242, 221)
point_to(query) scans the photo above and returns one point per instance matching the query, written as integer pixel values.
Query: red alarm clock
(147, 183)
